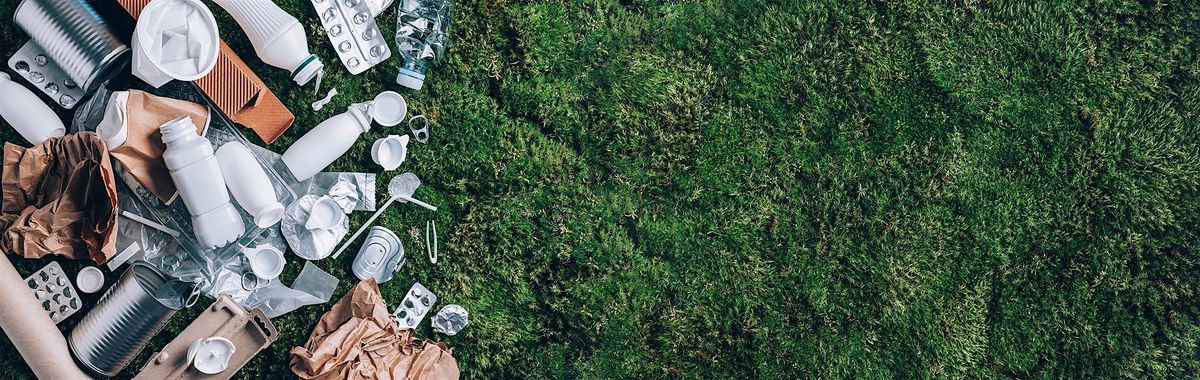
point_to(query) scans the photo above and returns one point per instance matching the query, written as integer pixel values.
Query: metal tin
(121, 324)
(75, 38)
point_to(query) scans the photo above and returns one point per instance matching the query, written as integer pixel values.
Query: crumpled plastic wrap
(313, 286)
(353, 191)
(59, 198)
(359, 339)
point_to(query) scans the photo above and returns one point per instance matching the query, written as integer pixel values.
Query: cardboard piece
(236, 90)
(359, 339)
(141, 154)
(30, 329)
(59, 198)
(250, 332)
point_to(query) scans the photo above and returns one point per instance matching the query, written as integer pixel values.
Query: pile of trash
(153, 183)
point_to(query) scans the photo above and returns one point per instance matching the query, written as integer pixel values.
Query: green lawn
(744, 189)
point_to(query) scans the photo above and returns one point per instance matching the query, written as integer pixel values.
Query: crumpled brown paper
(359, 339)
(59, 198)
(141, 154)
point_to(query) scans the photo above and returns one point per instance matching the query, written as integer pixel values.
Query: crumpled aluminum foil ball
(450, 320)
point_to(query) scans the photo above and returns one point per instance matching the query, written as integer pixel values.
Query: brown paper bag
(141, 154)
(359, 339)
(59, 198)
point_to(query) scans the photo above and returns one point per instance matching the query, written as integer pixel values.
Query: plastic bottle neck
(361, 114)
(179, 129)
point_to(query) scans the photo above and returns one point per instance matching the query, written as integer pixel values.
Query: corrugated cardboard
(237, 91)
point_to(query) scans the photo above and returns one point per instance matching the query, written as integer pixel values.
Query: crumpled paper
(141, 154)
(359, 339)
(59, 198)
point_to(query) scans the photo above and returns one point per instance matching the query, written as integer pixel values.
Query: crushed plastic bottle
(421, 38)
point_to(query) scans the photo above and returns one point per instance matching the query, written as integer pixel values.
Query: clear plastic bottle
(197, 174)
(421, 38)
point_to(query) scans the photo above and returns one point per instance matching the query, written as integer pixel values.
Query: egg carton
(415, 305)
(351, 28)
(53, 289)
(32, 63)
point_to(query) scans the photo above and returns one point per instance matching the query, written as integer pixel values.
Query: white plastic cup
(148, 61)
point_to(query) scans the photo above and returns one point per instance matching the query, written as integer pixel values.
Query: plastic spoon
(401, 188)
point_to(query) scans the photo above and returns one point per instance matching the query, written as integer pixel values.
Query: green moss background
(813, 189)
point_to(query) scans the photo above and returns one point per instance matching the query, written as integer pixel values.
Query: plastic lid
(211, 355)
(410, 79)
(389, 108)
(89, 280)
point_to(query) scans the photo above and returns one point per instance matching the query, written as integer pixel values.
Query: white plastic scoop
(401, 188)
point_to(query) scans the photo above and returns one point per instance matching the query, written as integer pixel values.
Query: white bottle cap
(389, 108)
(89, 280)
(410, 79)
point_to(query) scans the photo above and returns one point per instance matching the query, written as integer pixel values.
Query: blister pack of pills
(32, 63)
(351, 29)
(53, 289)
(415, 305)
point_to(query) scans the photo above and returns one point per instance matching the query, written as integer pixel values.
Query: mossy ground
(827, 189)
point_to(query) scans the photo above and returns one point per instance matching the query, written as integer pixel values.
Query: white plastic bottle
(331, 139)
(249, 184)
(32, 118)
(278, 38)
(196, 173)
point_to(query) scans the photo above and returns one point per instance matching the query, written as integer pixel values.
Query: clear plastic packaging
(421, 27)
(217, 270)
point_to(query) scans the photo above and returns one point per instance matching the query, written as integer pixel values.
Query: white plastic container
(249, 184)
(278, 38)
(197, 174)
(32, 118)
(389, 152)
(266, 262)
(331, 139)
(174, 39)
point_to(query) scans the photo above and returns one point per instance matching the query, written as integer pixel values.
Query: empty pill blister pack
(54, 291)
(353, 32)
(415, 305)
(32, 63)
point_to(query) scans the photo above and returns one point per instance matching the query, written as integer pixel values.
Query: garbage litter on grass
(182, 168)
